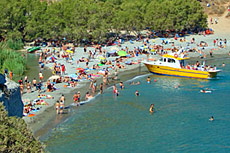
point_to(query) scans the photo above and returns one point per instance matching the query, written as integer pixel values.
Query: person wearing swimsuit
(57, 107)
(137, 93)
(61, 107)
(151, 109)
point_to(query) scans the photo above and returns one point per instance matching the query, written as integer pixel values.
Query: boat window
(165, 59)
(161, 59)
(170, 60)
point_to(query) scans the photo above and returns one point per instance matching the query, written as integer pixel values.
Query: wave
(138, 77)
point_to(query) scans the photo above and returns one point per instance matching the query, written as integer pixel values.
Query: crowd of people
(107, 68)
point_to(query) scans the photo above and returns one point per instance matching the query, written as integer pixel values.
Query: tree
(15, 136)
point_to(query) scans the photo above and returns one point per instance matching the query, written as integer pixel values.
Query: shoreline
(39, 130)
(47, 119)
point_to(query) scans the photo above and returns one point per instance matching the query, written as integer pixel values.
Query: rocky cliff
(11, 97)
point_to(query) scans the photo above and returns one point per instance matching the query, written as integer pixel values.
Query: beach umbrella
(31, 115)
(54, 77)
(80, 69)
(74, 76)
(112, 51)
(162, 38)
(69, 51)
(114, 48)
(122, 53)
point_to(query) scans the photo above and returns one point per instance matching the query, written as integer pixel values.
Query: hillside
(215, 7)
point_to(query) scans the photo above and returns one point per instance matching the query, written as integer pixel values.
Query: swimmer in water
(148, 80)
(177, 86)
(138, 82)
(211, 119)
(137, 93)
(223, 64)
(132, 83)
(151, 109)
(121, 85)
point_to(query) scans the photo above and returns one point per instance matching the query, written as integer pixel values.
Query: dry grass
(218, 8)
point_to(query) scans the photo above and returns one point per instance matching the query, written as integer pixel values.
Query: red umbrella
(80, 69)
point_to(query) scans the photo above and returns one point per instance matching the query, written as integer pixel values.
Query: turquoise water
(123, 124)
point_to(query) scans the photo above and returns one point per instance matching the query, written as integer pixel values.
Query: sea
(123, 124)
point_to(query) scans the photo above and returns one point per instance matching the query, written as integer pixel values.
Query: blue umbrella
(74, 76)
(162, 38)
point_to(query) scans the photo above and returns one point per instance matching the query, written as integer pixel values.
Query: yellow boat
(171, 65)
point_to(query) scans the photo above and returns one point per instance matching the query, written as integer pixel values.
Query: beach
(46, 118)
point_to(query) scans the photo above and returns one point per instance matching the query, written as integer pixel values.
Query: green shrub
(15, 44)
(15, 136)
(11, 60)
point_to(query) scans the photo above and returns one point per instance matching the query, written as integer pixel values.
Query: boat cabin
(171, 61)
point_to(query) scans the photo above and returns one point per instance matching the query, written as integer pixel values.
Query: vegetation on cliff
(10, 59)
(94, 19)
(15, 136)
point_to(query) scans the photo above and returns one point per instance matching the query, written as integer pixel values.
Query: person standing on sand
(40, 76)
(216, 20)
(34, 84)
(28, 87)
(210, 52)
(39, 87)
(214, 42)
(63, 69)
(57, 106)
(21, 88)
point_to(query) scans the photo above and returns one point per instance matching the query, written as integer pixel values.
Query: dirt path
(223, 25)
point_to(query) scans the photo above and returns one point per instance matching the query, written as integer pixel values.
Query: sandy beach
(46, 117)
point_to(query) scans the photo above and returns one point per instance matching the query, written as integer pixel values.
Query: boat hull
(170, 71)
